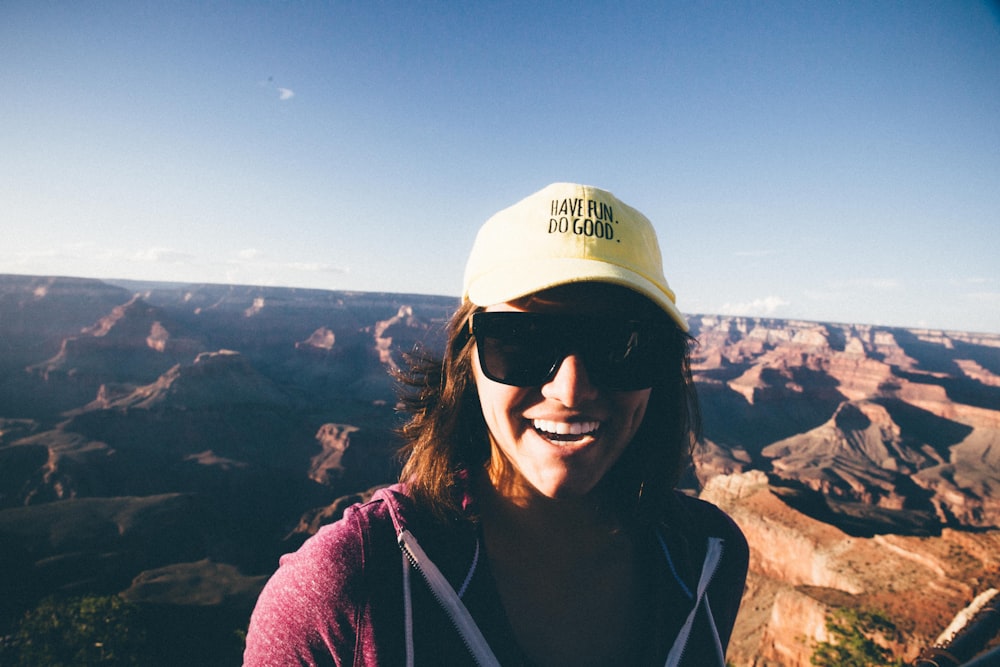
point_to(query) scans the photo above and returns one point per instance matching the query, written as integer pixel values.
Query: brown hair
(447, 438)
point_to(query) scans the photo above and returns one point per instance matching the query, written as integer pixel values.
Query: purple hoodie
(347, 596)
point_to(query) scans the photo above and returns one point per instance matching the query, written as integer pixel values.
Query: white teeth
(566, 428)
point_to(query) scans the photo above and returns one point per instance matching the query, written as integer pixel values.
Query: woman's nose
(571, 384)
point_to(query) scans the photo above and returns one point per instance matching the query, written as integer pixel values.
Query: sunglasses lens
(526, 349)
(626, 355)
(514, 350)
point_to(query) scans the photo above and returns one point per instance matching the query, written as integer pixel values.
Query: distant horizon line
(132, 282)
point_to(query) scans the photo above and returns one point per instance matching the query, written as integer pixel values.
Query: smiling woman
(558, 430)
(537, 503)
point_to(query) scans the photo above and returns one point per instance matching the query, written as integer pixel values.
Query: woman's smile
(558, 431)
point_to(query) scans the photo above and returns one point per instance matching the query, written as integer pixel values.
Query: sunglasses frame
(560, 335)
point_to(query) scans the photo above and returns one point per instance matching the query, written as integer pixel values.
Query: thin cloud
(760, 307)
(162, 255)
(316, 267)
(255, 260)
(28, 256)
(973, 280)
(825, 295)
(984, 298)
(839, 291)
(881, 284)
(86, 250)
(283, 93)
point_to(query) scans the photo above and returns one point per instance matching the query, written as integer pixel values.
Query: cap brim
(508, 283)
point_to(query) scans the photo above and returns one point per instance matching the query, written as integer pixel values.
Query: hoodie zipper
(446, 596)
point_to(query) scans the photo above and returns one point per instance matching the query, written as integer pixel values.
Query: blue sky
(833, 161)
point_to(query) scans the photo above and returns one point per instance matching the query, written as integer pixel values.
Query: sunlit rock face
(802, 570)
(896, 420)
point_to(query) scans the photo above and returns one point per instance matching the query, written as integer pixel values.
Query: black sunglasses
(526, 349)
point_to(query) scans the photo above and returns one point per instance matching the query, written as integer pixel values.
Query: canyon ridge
(168, 442)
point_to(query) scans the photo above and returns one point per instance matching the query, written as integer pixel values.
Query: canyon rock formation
(171, 441)
(883, 425)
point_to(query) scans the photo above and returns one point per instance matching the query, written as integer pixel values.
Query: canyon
(169, 442)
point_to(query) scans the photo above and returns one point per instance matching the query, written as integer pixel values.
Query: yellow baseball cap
(567, 233)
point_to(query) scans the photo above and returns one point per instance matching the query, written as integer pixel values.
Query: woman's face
(559, 438)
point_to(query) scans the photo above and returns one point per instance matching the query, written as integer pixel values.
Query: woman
(536, 521)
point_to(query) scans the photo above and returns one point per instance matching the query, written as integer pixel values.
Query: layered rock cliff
(903, 420)
(861, 461)
(804, 570)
